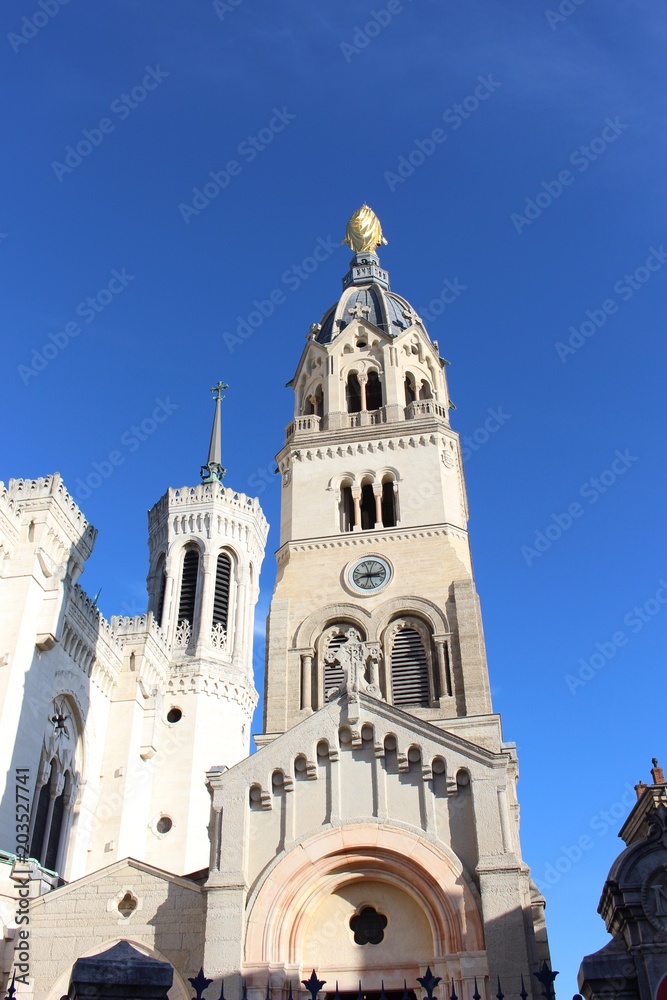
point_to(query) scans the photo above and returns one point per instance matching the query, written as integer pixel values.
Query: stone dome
(366, 295)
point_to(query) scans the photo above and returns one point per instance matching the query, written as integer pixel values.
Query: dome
(370, 300)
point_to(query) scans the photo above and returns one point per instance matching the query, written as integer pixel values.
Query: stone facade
(633, 965)
(375, 833)
(109, 727)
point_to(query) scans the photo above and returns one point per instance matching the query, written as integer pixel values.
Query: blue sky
(543, 203)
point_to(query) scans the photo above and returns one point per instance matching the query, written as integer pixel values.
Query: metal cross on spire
(213, 472)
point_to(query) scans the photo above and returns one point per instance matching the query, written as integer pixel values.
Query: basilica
(374, 835)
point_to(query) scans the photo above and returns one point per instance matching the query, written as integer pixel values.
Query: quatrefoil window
(368, 926)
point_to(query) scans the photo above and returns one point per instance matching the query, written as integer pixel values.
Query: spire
(213, 471)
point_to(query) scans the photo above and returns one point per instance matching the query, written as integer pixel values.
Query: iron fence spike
(500, 995)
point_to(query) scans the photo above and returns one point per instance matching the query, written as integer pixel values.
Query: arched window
(188, 596)
(160, 589)
(425, 391)
(368, 507)
(314, 402)
(410, 394)
(40, 813)
(56, 787)
(389, 504)
(346, 508)
(410, 645)
(373, 392)
(223, 574)
(353, 393)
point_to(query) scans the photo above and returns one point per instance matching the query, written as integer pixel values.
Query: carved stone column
(356, 498)
(363, 380)
(307, 680)
(444, 674)
(377, 493)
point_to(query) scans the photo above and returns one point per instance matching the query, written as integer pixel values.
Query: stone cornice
(352, 539)
(206, 677)
(344, 441)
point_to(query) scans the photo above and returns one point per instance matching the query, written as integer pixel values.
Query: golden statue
(364, 232)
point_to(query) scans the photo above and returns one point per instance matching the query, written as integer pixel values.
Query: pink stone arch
(282, 905)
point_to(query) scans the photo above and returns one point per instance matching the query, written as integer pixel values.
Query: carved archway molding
(281, 907)
(373, 624)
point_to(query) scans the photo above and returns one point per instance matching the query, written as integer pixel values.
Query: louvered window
(409, 669)
(186, 604)
(333, 672)
(221, 598)
(161, 588)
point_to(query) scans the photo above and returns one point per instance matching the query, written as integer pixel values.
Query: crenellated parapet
(91, 641)
(35, 491)
(208, 509)
(145, 644)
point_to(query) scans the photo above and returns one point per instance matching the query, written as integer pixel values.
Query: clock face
(369, 574)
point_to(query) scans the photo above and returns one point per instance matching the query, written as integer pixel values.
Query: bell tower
(206, 547)
(374, 539)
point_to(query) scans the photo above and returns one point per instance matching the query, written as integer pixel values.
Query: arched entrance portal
(363, 902)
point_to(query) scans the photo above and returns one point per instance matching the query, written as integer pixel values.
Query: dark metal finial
(213, 472)
(546, 977)
(406, 995)
(523, 994)
(429, 982)
(453, 994)
(500, 993)
(383, 995)
(222, 990)
(290, 995)
(313, 984)
(11, 989)
(360, 994)
(268, 990)
(199, 983)
(336, 994)
(244, 990)
(476, 995)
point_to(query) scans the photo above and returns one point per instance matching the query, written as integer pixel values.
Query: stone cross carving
(352, 656)
(359, 311)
